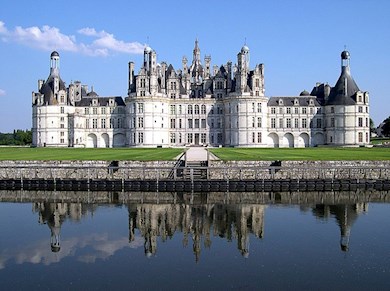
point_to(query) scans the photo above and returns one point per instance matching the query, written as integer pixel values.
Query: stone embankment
(233, 176)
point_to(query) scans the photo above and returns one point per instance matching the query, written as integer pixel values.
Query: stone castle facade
(199, 104)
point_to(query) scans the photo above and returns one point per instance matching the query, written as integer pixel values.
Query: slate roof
(338, 95)
(103, 101)
(48, 90)
(289, 101)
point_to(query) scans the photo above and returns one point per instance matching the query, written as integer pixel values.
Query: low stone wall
(255, 170)
(83, 170)
(217, 170)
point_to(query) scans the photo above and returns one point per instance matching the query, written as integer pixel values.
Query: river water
(173, 241)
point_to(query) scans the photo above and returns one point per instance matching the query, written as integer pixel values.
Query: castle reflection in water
(197, 221)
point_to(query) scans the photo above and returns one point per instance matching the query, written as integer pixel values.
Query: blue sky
(299, 42)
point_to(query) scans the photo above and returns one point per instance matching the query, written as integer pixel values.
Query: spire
(196, 57)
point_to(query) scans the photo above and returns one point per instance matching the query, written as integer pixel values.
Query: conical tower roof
(345, 89)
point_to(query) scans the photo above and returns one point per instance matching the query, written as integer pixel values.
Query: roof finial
(245, 41)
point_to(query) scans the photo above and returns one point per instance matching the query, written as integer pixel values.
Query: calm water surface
(197, 244)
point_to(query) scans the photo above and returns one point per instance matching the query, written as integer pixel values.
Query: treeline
(18, 137)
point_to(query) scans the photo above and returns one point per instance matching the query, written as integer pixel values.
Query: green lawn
(166, 154)
(102, 154)
(301, 154)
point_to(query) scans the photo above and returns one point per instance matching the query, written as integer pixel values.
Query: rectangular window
(94, 123)
(253, 121)
(203, 138)
(281, 110)
(180, 123)
(140, 108)
(196, 109)
(189, 137)
(296, 110)
(62, 110)
(253, 107)
(304, 123)
(196, 123)
(273, 123)
(62, 133)
(103, 110)
(332, 122)
(259, 122)
(257, 82)
(62, 140)
(253, 137)
(259, 107)
(203, 109)
(86, 111)
(360, 135)
(140, 122)
(189, 123)
(173, 109)
(280, 123)
(259, 137)
(203, 123)
(173, 138)
(304, 110)
(288, 122)
(189, 109)
(331, 109)
(103, 121)
(296, 122)
(360, 122)
(219, 137)
(273, 110)
(140, 137)
(94, 110)
(173, 123)
(288, 110)
(319, 123)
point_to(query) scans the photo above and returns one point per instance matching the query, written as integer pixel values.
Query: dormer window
(311, 102)
(94, 102)
(296, 102)
(280, 101)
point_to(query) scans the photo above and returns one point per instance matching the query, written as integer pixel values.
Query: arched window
(189, 109)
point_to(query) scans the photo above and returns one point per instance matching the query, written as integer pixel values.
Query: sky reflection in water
(195, 245)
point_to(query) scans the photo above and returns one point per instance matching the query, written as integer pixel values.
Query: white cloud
(2, 92)
(3, 29)
(50, 38)
(88, 31)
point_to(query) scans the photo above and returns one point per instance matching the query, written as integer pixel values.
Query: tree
(18, 137)
(386, 127)
(372, 126)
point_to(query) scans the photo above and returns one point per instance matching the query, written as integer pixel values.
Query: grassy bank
(322, 153)
(102, 154)
(166, 154)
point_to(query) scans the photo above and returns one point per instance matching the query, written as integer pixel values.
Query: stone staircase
(198, 170)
